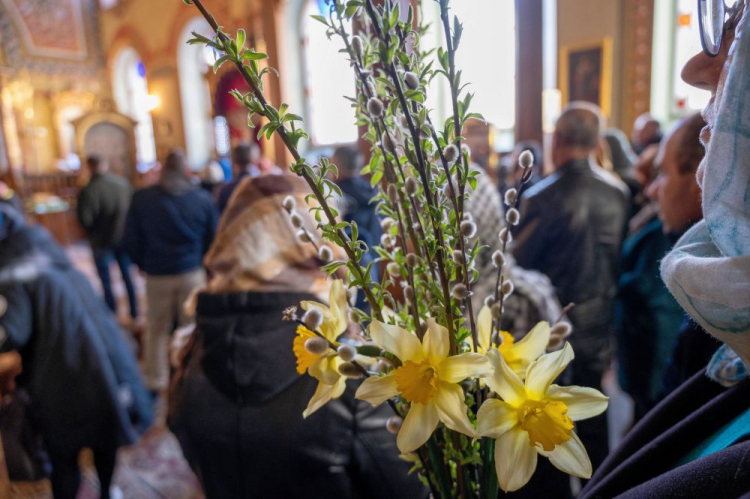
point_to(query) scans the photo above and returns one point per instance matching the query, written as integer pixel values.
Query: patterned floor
(154, 467)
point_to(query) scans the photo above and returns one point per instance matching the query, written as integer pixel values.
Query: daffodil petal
(515, 460)
(542, 372)
(324, 394)
(377, 390)
(534, 344)
(397, 341)
(436, 343)
(326, 369)
(571, 458)
(449, 400)
(484, 328)
(339, 307)
(582, 402)
(420, 422)
(504, 381)
(459, 367)
(496, 417)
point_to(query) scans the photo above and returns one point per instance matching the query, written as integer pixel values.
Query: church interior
(90, 88)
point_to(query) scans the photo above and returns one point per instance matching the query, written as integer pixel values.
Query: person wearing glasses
(696, 442)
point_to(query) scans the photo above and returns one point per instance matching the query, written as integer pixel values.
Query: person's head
(675, 186)
(176, 162)
(577, 132)
(710, 73)
(643, 168)
(349, 161)
(96, 164)
(646, 131)
(244, 156)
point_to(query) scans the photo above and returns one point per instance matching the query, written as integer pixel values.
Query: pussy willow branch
(361, 274)
(424, 175)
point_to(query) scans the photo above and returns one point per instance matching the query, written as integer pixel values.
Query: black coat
(237, 412)
(645, 464)
(85, 386)
(102, 208)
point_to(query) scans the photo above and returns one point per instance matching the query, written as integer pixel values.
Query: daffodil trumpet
(535, 418)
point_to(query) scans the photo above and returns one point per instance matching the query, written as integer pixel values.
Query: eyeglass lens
(711, 15)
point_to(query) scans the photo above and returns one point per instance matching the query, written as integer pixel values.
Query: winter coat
(647, 463)
(169, 228)
(102, 207)
(237, 412)
(83, 380)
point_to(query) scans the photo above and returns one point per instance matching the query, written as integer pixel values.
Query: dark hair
(175, 161)
(350, 159)
(690, 152)
(245, 153)
(93, 161)
(580, 125)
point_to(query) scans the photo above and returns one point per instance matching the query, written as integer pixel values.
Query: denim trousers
(103, 257)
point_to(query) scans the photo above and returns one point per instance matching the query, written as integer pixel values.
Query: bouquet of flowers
(473, 408)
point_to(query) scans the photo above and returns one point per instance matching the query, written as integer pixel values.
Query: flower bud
(409, 293)
(325, 254)
(394, 270)
(375, 107)
(498, 259)
(371, 89)
(460, 292)
(468, 228)
(351, 294)
(350, 370)
(316, 346)
(387, 223)
(496, 311)
(313, 318)
(504, 233)
(411, 80)
(489, 301)
(297, 220)
(513, 217)
(411, 186)
(393, 425)
(510, 196)
(392, 194)
(404, 122)
(526, 159)
(388, 144)
(458, 257)
(357, 45)
(347, 352)
(507, 288)
(561, 330)
(303, 236)
(289, 203)
(412, 260)
(450, 153)
(423, 327)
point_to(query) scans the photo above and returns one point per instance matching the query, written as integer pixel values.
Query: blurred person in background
(509, 173)
(648, 318)
(237, 402)
(245, 162)
(169, 228)
(646, 131)
(102, 207)
(571, 229)
(11, 197)
(212, 177)
(83, 381)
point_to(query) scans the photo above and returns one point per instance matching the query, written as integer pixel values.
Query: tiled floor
(154, 467)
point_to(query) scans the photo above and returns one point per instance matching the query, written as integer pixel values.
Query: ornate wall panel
(638, 30)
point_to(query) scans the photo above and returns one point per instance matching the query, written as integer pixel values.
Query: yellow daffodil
(428, 378)
(324, 366)
(536, 418)
(517, 355)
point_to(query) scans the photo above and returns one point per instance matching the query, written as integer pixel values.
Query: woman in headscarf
(83, 380)
(696, 443)
(237, 407)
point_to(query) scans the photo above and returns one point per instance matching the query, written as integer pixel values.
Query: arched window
(193, 61)
(489, 29)
(131, 95)
(327, 79)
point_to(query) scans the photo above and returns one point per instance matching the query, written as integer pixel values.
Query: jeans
(103, 257)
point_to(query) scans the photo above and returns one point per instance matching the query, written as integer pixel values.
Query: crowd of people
(611, 236)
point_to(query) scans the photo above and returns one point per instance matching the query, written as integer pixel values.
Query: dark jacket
(355, 207)
(237, 412)
(85, 386)
(645, 464)
(102, 208)
(169, 228)
(647, 317)
(226, 191)
(572, 227)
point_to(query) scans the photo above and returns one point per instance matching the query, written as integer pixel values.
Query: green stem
(441, 473)
(489, 483)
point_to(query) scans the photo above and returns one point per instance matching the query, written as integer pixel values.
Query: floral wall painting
(586, 73)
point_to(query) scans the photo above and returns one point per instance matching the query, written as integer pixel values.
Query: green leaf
(240, 39)
(252, 55)
(321, 19)
(221, 60)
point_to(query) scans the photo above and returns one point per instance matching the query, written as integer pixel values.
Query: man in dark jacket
(102, 207)
(571, 229)
(83, 380)
(168, 230)
(245, 159)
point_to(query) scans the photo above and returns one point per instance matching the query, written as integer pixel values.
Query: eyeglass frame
(730, 22)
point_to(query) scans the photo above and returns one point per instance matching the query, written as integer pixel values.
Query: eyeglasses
(715, 17)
